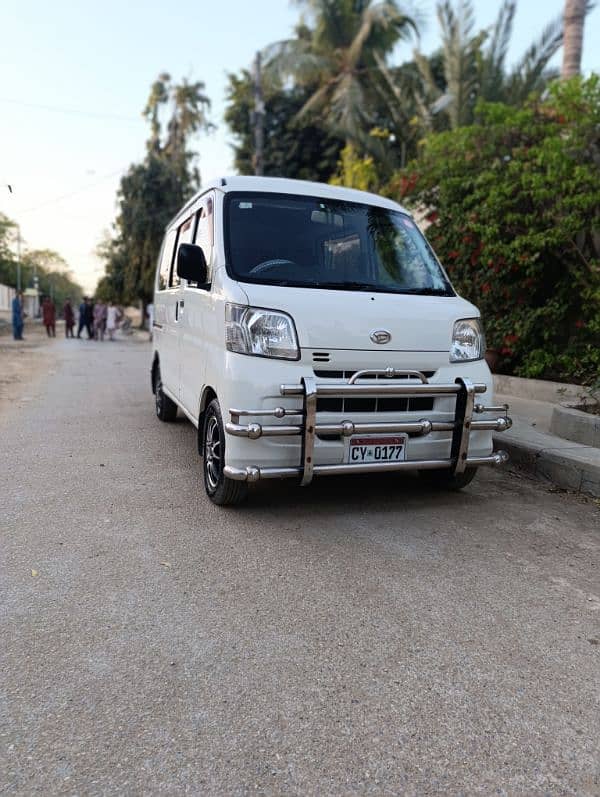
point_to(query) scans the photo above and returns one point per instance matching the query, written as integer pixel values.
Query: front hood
(328, 319)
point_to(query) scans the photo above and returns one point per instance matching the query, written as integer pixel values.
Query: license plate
(380, 448)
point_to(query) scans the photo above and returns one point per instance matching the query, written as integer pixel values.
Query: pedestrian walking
(99, 320)
(18, 316)
(113, 314)
(49, 316)
(69, 317)
(86, 317)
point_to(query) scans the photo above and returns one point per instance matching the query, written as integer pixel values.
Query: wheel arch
(208, 394)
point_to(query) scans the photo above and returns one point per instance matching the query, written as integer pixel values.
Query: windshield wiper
(426, 291)
(350, 286)
(367, 286)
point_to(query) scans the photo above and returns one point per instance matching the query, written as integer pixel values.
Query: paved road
(361, 637)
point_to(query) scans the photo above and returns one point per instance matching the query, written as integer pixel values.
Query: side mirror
(191, 264)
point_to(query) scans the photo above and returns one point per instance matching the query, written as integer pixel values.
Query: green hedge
(514, 206)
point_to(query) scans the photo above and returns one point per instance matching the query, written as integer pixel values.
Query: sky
(75, 75)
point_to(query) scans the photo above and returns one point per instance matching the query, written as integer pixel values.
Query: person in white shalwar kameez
(112, 320)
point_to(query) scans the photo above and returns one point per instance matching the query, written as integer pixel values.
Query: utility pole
(19, 286)
(18, 257)
(258, 118)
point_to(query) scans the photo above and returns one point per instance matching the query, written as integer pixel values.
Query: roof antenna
(223, 181)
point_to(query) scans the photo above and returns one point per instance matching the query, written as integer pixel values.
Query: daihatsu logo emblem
(380, 336)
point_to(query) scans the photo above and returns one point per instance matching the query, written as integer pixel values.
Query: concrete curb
(569, 465)
(538, 389)
(571, 423)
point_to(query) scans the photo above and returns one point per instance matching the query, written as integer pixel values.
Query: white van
(308, 330)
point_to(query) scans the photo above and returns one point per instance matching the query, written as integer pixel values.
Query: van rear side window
(166, 259)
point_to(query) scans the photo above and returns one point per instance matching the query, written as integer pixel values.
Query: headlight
(263, 333)
(468, 341)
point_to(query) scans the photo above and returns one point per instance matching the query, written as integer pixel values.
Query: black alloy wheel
(166, 409)
(221, 490)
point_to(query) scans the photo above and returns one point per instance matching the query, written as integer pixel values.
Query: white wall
(6, 296)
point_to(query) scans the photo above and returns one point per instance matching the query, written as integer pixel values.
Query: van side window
(184, 237)
(205, 232)
(166, 259)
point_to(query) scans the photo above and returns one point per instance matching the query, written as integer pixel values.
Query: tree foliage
(514, 206)
(8, 263)
(151, 192)
(336, 53)
(356, 172)
(188, 116)
(338, 65)
(440, 91)
(293, 147)
(53, 275)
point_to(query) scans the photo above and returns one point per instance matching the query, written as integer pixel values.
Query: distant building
(31, 300)
(6, 296)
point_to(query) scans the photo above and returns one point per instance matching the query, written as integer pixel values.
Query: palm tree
(460, 47)
(189, 115)
(474, 63)
(530, 73)
(338, 53)
(574, 18)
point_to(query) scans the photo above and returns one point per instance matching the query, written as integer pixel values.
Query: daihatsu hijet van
(308, 330)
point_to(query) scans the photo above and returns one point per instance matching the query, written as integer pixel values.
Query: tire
(446, 479)
(166, 409)
(221, 490)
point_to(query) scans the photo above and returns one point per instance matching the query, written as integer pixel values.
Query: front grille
(349, 373)
(350, 405)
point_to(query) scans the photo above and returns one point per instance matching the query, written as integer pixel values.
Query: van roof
(283, 185)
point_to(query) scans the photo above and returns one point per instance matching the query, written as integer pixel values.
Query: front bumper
(306, 424)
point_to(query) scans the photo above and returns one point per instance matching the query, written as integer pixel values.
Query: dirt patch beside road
(27, 365)
(23, 366)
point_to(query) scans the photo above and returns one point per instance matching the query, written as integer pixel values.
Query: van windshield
(280, 239)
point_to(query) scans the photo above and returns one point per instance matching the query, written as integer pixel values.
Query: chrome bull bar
(308, 427)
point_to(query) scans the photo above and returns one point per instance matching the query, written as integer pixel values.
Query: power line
(74, 193)
(74, 111)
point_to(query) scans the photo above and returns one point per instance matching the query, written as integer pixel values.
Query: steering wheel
(270, 265)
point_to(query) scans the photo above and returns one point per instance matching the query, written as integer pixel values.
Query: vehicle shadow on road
(387, 492)
(360, 493)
